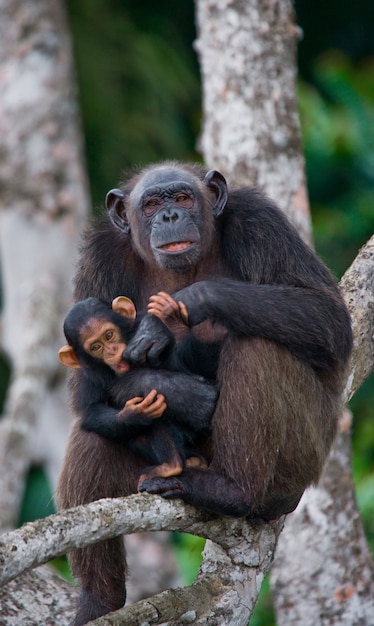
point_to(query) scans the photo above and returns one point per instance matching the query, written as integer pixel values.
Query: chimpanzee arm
(103, 419)
(108, 422)
(190, 399)
(312, 323)
(199, 357)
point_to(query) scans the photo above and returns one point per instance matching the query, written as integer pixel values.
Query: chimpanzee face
(98, 332)
(170, 215)
(102, 340)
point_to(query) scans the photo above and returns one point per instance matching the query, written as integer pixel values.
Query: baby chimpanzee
(163, 415)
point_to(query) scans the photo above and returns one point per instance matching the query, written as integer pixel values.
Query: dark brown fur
(281, 368)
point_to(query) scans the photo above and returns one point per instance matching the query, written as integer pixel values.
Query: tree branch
(37, 542)
(234, 565)
(357, 286)
(331, 569)
(43, 206)
(183, 605)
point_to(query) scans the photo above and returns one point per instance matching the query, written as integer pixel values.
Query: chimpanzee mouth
(122, 367)
(176, 246)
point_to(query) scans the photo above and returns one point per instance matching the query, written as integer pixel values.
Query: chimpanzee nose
(170, 215)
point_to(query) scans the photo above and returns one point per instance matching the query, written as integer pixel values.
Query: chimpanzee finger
(183, 311)
(165, 487)
(163, 306)
(157, 408)
(163, 298)
(150, 341)
(149, 398)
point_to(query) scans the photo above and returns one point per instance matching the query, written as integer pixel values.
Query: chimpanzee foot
(165, 487)
(196, 461)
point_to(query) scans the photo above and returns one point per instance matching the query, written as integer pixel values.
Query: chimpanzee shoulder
(108, 265)
(260, 245)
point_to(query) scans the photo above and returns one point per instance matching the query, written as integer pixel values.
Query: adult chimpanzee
(232, 258)
(120, 402)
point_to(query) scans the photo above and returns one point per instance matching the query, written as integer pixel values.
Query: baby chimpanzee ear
(68, 357)
(124, 306)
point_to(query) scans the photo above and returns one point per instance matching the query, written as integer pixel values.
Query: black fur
(102, 393)
(280, 368)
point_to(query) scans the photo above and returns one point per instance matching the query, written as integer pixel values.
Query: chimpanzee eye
(184, 199)
(95, 347)
(151, 206)
(109, 335)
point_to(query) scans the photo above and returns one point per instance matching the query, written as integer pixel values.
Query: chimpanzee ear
(68, 357)
(115, 203)
(217, 184)
(124, 306)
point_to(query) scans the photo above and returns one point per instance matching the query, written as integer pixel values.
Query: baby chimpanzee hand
(152, 406)
(173, 314)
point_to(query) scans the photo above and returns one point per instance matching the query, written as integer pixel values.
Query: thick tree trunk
(323, 572)
(251, 133)
(251, 130)
(40, 597)
(43, 204)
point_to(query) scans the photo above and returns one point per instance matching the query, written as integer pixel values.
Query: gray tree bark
(43, 204)
(251, 130)
(326, 575)
(224, 592)
(251, 133)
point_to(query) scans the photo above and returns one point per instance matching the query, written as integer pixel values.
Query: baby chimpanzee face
(102, 339)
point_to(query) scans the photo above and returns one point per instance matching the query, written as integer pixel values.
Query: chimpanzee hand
(151, 344)
(152, 406)
(173, 314)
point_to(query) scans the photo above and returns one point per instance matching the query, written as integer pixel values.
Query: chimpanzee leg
(271, 431)
(165, 451)
(96, 468)
(101, 569)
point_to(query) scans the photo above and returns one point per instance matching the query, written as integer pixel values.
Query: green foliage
(4, 380)
(37, 499)
(188, 549)
(363, 458)
(365, 501)
(38, 503)
(337, 115)
(337, 120)
(139, 86)
(263, 614)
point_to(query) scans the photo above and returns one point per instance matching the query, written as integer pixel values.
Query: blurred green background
(140, 98)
